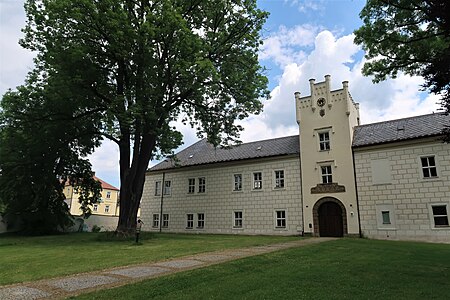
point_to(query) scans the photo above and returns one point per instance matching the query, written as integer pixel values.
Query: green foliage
(139, 66)
(41, 141)
(410, 36)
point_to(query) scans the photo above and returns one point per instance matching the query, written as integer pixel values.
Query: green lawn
(33, 258)
(342, 269)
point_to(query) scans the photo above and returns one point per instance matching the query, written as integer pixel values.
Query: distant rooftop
(105, 185)
(400, 129)
(203, 152)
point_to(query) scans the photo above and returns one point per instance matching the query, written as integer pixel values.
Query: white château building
(388, 180)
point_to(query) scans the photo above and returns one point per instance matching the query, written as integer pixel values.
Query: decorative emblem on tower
(321, 102)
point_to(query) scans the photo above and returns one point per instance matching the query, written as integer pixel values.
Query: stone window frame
(157, 188)
(318, 132)
(189, 221)
(191, 185)
(167, 187)
(276, 183)
(280, 218)
(429, 168)
(255, 181)
(433, 216)
(385, 207)
(201, 185)
(325, 144)
(237, 219)
(155, 221)
(165, 221)
(201, 221)
(240, 189)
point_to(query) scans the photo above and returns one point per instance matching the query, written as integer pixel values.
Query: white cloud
(288, 45)
(307, 5)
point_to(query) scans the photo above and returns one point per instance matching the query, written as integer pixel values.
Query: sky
(303, 39)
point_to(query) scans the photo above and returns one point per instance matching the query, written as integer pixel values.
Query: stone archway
(330, 218)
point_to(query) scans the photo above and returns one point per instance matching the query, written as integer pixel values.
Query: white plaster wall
(408, 193)
(220, 201)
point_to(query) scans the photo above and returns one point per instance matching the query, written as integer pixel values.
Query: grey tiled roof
(204, 153)
(399, 130)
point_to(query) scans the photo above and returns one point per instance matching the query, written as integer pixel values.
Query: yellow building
(108, 205)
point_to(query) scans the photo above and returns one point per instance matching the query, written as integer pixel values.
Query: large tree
(411, 36)
(143, 64)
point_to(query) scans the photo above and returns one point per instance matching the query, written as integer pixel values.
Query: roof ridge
(401, 119)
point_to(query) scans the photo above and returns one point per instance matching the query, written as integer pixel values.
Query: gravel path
(62, 287)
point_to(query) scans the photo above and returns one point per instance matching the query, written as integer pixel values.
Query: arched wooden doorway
(330, 218)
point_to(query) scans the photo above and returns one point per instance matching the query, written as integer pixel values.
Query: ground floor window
(440, 215)
(200, 220)
(95, 207)
(237, 223)
(165, 220)
(386, 217)
(280, 220)
(190, 221)
(155, 223)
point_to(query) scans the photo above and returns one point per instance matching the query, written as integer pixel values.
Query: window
(429, 169)
(157, 188)
(95, 207)
(155, 221)
(200, 220)
(280, 218)
(201, 184)
(257, 181)
(165, 220)
(106, 208)
(326, 174)
(191, 185)
(440, 215)
(385, 215)
(237, 182)
(237, 223)
(279, 179)
(190, 221)
(108, 195)
(324, 141)
(167, 187)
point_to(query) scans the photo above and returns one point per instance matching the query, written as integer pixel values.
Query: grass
(342, 269)
(32, 258)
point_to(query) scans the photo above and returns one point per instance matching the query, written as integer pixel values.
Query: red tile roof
(105, 185)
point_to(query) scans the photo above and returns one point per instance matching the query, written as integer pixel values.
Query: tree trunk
(132, 182)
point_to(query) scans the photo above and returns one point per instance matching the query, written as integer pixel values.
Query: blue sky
(302, 40)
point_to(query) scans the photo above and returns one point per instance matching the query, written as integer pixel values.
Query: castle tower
(326, 120)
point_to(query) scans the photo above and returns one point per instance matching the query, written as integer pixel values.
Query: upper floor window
(324, 141)
(279, 179)
(429, 169)
(167, 187)
(327, 176)
(440, 215)
(191, 185)
(237, 182)
(157, 188)
(201, 184)
(257, 181)
(108, 195)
